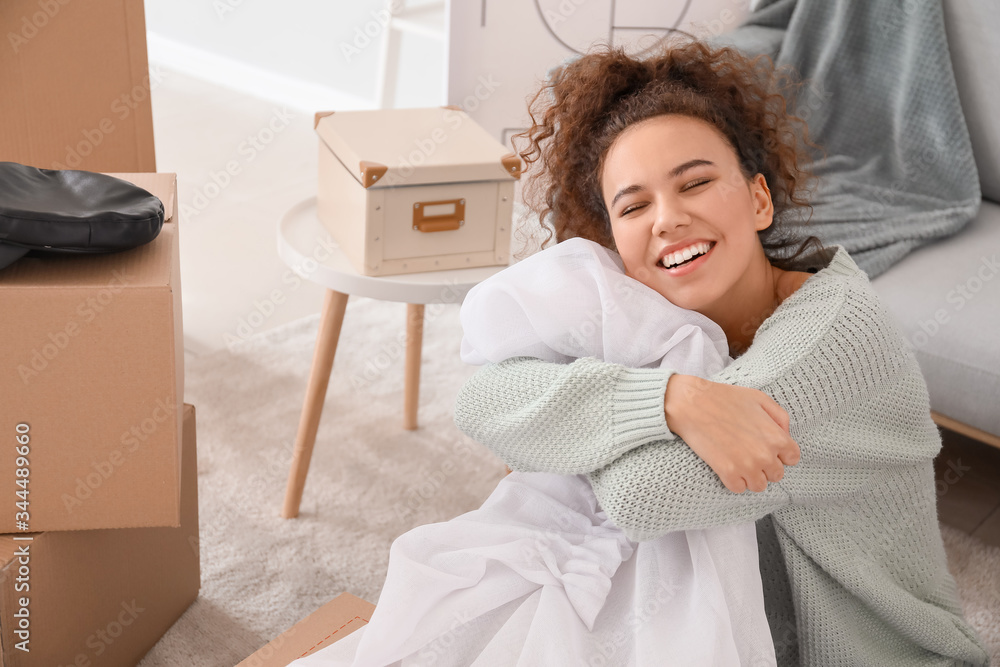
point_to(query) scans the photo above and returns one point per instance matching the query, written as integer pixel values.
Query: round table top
(305, 245)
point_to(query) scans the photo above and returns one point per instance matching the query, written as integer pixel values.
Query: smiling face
(673, 184)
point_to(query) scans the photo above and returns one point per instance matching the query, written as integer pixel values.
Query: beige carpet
(369, 481)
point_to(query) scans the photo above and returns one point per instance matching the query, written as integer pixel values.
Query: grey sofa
(946, 295)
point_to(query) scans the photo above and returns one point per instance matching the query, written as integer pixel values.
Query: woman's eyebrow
(625, 191)
(674, 173)
(690, 164)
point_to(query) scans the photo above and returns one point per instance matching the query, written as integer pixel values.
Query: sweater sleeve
(541, 416)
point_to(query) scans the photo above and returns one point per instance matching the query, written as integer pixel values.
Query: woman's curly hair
(588, 102)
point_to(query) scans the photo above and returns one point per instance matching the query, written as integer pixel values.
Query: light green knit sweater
(851, 554)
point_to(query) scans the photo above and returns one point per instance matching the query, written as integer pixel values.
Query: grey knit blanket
(882, 102)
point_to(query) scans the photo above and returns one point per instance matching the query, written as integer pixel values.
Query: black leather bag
(72, 212)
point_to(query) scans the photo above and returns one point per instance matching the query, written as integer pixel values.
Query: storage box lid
(395, 147)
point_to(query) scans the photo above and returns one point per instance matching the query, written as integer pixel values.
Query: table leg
(331, 319)
(414, 341)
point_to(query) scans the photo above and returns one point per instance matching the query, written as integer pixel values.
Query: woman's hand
(742, 434)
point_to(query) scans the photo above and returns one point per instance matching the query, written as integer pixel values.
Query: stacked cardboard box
(98, 488)
(99, 549)
(99, 597)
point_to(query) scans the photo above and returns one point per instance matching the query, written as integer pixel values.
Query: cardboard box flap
(331, 622)
(163, 186)
(417, 146)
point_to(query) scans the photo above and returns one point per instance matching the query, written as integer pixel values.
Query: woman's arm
(572, 418)
(577, 418)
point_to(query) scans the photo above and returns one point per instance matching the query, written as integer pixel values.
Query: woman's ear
(763, 207)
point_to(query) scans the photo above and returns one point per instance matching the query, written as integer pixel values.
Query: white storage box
(412, 190)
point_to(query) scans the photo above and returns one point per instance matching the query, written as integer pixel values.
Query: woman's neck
(756, 297)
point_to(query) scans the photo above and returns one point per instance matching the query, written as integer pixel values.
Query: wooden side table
(306, 246)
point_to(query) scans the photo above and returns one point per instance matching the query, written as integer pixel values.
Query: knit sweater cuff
(638, 416)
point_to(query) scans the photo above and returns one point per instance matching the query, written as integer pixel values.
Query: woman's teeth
(685, 255)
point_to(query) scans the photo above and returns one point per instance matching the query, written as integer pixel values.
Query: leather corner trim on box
(511, 165)
(371, 172)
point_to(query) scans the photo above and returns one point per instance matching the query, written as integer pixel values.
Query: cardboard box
(76, 85)
(99, 597)
(92, 370)
(412, 190)
(331, 622)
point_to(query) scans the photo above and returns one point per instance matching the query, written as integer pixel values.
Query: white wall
(502, 50)
(308, 53)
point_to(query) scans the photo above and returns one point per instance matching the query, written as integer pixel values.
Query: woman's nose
(669, 216)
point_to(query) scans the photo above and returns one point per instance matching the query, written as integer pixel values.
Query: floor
(968, 486)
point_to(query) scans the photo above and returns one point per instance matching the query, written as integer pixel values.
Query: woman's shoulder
(835, 315)
(831, 273)
(828, 310)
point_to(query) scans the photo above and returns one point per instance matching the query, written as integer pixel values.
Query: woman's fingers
(788, 451)
(790, 454)
(756, 483)
(776, 412)
(734, 483)
(775, 472)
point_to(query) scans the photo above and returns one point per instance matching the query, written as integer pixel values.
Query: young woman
(688, 165)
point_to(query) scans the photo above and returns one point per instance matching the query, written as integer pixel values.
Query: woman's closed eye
(695, 183)
(687, 186)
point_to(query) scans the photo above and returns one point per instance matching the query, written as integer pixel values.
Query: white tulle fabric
(538, 575)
